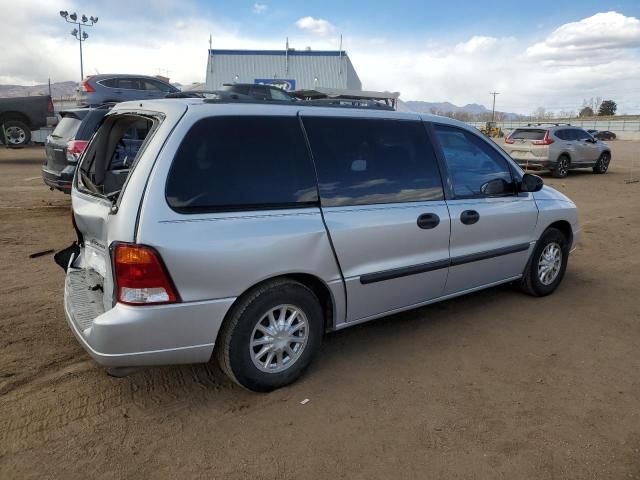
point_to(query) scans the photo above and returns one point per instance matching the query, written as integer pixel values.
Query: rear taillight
(50, 106)
(546, 140)
(86, 86)
(141, 277)
(509, 140)
(75, 149)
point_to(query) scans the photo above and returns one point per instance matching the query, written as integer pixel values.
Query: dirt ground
(493, 385)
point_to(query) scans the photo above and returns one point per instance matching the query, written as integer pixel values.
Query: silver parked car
(246, 231)
(558, 148)
(113, 88)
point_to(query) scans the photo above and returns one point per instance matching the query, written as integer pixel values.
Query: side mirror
(531, 183)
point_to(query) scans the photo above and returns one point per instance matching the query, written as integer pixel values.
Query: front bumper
(131, 336)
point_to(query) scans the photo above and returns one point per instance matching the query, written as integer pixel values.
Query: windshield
(528, 134)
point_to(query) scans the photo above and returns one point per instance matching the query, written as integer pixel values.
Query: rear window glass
(369, 161)
(67, 127)
(528, 134)
(243, 162)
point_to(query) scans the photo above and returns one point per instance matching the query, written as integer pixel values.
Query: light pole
(77, 32)
(493, 110)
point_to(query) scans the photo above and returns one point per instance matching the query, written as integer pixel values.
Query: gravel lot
(493, 385)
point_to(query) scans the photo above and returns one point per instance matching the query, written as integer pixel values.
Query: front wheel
(547, 265)
(271, 335)
(602, 165)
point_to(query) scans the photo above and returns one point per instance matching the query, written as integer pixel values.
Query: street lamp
(77, 32)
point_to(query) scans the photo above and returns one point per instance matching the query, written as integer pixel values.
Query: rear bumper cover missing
(128, 336)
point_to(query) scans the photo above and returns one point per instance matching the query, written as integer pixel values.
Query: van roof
(173, 104)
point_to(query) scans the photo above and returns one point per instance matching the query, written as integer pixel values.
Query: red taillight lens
(75, 149)
(141, 278)
(86, 86)
(50, 106)
(509, 140)
(545, 141)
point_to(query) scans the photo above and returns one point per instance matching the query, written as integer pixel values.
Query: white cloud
(259, 8)
(476, 44)
(600, 35)
(318, 26)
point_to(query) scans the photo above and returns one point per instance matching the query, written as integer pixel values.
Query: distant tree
(607, 108)
(586, 111)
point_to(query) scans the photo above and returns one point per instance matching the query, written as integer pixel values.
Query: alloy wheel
(549, 263)
(279, 338)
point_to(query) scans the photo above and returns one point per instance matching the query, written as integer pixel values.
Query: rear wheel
(547, 264)
(562, 167)
(271, 335)
(602, 165)
(16, 133)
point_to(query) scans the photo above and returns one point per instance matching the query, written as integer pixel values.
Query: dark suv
(259, 91)
(66, 143)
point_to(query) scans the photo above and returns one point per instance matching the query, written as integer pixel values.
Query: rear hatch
(528, 143)
(108, 190)
(56, 144)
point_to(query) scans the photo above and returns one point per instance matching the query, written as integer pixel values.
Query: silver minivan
(246, 231)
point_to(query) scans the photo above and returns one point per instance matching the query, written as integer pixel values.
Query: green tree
(586, 112)
(607, 108)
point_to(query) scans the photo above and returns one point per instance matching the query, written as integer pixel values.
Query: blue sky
(536, 53)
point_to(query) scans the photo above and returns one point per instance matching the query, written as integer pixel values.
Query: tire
(17, 133)
(602, 165)
(534, 282)
(249, 320)
(561, 169)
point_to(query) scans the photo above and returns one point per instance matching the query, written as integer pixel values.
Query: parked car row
(247, 231)
(558, 148)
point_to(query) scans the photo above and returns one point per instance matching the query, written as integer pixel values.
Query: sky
(551, 54)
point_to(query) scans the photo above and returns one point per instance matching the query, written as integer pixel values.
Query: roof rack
(547, 123)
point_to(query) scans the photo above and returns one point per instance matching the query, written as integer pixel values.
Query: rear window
(112, 154)
(528, 134)
(67, 127)
(242, 162)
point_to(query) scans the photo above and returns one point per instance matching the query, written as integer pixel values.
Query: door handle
(427, 221)
(469, 217)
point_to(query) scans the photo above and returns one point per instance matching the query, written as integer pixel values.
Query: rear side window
(109, 82)
(528, 134)
(242, 162)
(368, 161)
(130, 84)
(562, 134)
(67, 128)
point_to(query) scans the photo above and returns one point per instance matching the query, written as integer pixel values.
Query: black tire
(17, 133)
(561, 169)
(602, 165)
(531, 282)
(232, 347)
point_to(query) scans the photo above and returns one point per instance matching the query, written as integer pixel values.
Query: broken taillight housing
(141, 277)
